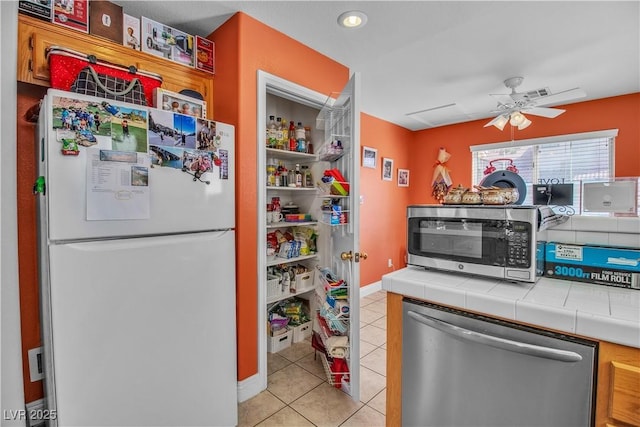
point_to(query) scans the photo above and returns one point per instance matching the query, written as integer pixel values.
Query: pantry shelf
(275, 260)
(273, 188)
(279, 298)
(290, 155)
(291, 224)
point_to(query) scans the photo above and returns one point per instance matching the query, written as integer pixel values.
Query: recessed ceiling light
(352, 19)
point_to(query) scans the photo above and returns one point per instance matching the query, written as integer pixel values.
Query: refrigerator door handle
(493, 341)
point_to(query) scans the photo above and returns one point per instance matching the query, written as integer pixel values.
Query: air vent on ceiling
(538, 93)
(440, 116)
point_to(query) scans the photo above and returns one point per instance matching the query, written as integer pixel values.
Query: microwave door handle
(490, 340)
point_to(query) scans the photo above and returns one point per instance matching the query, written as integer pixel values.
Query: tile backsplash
(589, 230)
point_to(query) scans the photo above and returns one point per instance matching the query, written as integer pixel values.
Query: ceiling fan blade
(566, 95)
(544, 111)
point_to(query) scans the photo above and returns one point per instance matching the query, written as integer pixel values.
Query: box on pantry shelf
(601, 265)
(279, 342)
(335, 216)
(302, 331)
(274, 287)
(304, 281)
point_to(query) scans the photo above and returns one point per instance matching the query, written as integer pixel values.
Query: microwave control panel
(518, 245)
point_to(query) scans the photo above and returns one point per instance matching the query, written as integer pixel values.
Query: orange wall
(619, 112)
(243, 46)
(246, 46)
(28, 96)
(383, 213)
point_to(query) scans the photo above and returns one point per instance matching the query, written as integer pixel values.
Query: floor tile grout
(376, 298)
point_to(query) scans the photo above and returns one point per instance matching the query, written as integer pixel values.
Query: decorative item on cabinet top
(36, 36)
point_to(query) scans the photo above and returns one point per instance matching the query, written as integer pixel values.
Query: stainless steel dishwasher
(460, 369)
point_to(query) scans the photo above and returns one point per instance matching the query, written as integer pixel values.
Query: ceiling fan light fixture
(352, 19)
(525, 124)
(501, 122)
(517, 119)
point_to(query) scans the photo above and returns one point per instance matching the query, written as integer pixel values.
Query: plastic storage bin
(304, 281)
(274, 287)
(302, 332)
(279, 342)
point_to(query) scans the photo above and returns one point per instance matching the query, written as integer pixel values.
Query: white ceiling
(421, 55)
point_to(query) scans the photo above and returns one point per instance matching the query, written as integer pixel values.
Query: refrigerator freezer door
(143, 331)
(177, 202)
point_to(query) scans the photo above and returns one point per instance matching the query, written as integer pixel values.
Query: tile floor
(298, 394)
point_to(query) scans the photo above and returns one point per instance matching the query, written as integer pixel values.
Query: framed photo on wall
(387, 169)
(403, 177)
(369, 157)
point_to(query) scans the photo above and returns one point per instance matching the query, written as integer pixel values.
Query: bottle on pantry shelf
(298, 176)
(307, 178)
(307, 137)
(271, 174)
(283, 141)
(300, 142)
(278, 179)
(292, 136)
(271, 132)
(282, 171)
(278, 131)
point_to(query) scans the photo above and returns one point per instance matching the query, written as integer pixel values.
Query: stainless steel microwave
(493, 241)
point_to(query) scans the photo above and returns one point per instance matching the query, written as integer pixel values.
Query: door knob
(351, 256)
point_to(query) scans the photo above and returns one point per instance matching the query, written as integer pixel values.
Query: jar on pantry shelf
(307, 178)
(291, 178)
(275, 204)
(307, 137)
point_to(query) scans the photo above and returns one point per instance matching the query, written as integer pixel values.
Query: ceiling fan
(512, 106)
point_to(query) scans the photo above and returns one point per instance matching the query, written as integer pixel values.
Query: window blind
(559, 159)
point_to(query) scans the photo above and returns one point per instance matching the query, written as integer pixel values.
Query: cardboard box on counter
(600, 265)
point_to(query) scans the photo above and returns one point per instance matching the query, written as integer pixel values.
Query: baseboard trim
(250, 387)
(37, 414)
(370, 288)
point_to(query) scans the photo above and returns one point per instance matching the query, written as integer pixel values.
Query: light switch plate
(36, 364)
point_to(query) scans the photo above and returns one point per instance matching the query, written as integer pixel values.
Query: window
(567, 159)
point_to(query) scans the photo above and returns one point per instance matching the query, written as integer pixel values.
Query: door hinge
(30, 42)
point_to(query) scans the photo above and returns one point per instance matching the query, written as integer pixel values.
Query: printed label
(573, 253)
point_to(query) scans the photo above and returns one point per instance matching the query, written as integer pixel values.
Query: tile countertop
(600, 312)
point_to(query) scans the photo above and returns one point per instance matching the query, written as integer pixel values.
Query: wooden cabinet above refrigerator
(35, 36)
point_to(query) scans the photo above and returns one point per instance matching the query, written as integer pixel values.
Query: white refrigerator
(137, 265)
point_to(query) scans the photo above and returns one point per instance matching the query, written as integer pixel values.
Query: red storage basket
(65, 65)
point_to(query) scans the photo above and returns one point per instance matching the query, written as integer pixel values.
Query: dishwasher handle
(493, 341)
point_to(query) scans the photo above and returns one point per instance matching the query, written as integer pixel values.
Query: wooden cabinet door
(618, 390)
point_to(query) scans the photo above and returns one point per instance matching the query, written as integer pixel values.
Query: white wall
(11, 391)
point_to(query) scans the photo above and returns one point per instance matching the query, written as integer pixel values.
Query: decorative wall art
(387, 169)
(369, 157)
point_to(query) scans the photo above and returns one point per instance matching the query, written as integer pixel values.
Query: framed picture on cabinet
(369, 157)
(179, 103)
(403, 177)
(387, 169)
